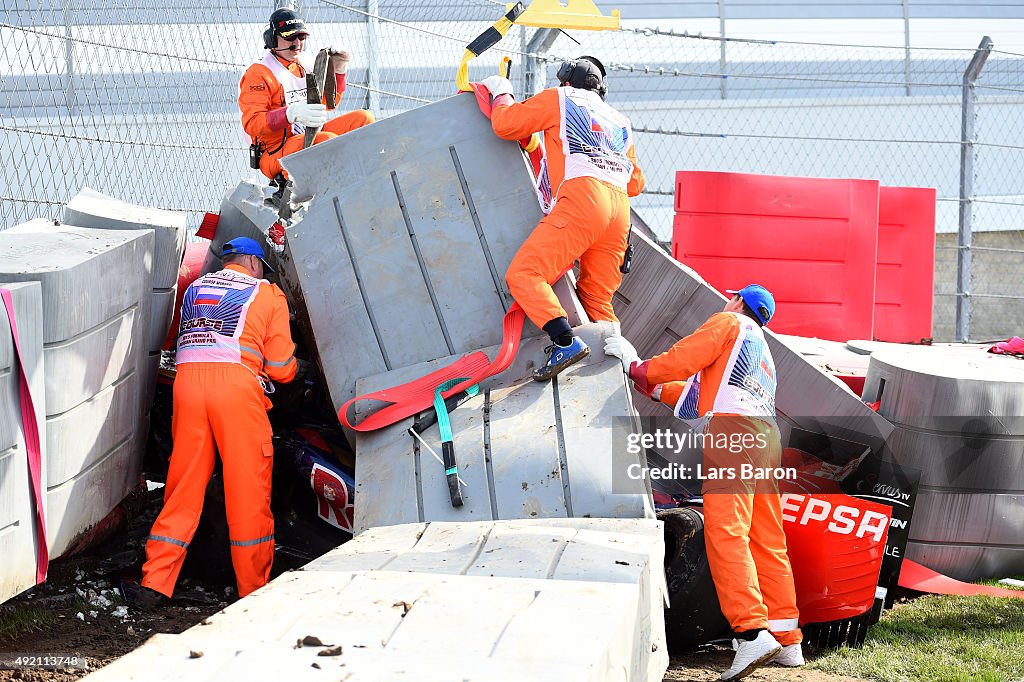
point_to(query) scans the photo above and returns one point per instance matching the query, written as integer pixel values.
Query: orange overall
(263, 101)
(590, 218)
(234, 337)
(732, 378)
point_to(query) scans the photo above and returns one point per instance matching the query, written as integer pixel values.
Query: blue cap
(244, 246)
(758, 299)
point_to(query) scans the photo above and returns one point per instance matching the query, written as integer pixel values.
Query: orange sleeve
(522, 119)
(278, 347)
(256, 98)
(670, 393)
(636, 180)
(695, 352)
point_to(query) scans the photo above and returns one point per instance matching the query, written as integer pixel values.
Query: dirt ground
(88, 615)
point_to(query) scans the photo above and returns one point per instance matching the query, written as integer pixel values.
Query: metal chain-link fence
(138, 100)
(995, 280)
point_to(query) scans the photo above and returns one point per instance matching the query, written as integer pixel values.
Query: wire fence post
(372, 63)
(964, 235)
(69, 60)
(722, 62)
(536, 68)
(907, 63)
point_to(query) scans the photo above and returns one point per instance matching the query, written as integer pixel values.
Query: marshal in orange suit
(233, 340)
(723, 377)
(272, 95)
(589, 173)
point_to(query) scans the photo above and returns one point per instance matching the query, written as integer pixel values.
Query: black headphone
(270, 34)
(268, 38)
(568, 68)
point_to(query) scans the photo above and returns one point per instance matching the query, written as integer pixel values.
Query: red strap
(914, 576)
(32, 444)
(417, 396)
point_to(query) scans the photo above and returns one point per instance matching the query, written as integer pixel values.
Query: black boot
(148, 599)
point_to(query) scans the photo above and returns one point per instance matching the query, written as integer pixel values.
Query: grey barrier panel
(96, 295)
(163, 313)
(525, 449)
(400, 256)
(17, 511)
(959, 416)
(89, 208)
(150, 369)
(242, 214)
(662, 301)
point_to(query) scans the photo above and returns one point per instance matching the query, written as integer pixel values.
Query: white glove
(497, 85)
(623, 350)
(339, 58)
(309, 115)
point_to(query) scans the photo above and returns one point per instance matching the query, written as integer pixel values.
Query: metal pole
(963, 257)
(536, 70)
(722, 63)
(372, 59)
(906, 45)
(69, 61)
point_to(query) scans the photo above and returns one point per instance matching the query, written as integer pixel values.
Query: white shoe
(752, 655)
(791, 656)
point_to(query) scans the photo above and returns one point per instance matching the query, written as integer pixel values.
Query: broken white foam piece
(1012, 582)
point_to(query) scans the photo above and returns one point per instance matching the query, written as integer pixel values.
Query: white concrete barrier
(555, 599)
(96, 296)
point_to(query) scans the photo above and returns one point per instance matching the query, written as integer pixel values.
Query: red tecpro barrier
(906, 264)
(812, 241)
(188, 272)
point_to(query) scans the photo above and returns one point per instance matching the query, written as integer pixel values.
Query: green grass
(22, 619)
(939, 639)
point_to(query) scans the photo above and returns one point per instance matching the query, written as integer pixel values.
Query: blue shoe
(561, 357)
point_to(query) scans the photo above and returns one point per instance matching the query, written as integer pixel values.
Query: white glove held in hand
(623, 350)
(309, 115)
(497, 85)
(339, 58)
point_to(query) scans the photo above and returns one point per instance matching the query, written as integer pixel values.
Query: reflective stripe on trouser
(217, 406)
(746, 544)
(270, 164)
(590, 222)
